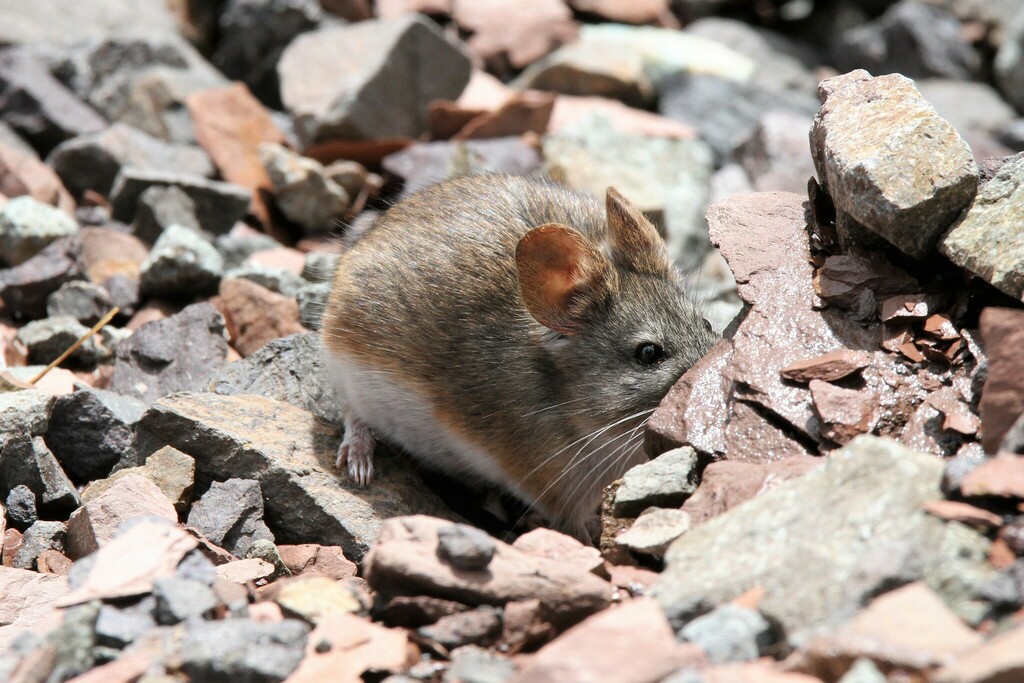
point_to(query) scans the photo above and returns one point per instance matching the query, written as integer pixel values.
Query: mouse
(511, 330)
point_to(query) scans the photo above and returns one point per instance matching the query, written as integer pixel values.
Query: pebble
(589, 69)
(25, 289)
(666, 481)
(22, 173)
(465, 547)
(480, 626)
(181, 265)
(230, 514)
(180, 599)
(730, 633)
(255, 315)
(27, 226)
(219, 205)
(160, 207)
(240, 649)
(119, 626)
(303, 191)
(37, 538)
(654, 530)
(313, 598)
(25, 459)
(171, 470)
(48, 338)
(20, 507)
(1002, 398)
(84, 301)
(91, 431)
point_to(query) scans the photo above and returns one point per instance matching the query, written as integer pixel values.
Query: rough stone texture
(96, 523)
(20, 507)
(256, 316)
(587, 69)
(170, 469)
(666, 481)
(25, 598)
(320, 560)
(827, 367)
(180, 353)
(48, 338)
(92, 162)
(312, 300)
(302, 189)
(988, 241)
(37, 538)
(24, 412)
(241, 650)
(84, 301)
(1001, 476)
(774, 154)
(181, 265)
(889, 162)
(365, 64)
(237, 248)
(343, 647)
(108, 253)
(654, 530)
(22, 173)
(312, 598)
(1002, 399)
(91, 431)
(291, 454)
(218, 205)
(999, 659)
(844, 413)
(25, 289)
(859, 524)
(405, 560)
(480, 626)
(161, 207)
(117, 627)
(230, 514)
(25, 459)
(465, 547)
(730, 633)
(178, 599)
(27, 226)
(972, 107)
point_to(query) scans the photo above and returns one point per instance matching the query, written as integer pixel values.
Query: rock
(859, 516)
(827, 367)
(37, 106)
(26, 597)
(48, 338)
(471, 664)
(405, 559)
(1001, 476)
(25, 459)
(22, 173)
(256, 316)
(93, 161)
(181, 599)
(866, 136)
(730, 633)
(108, 254)
(506, 40)
(965, 513)
(588, 69)
(465, 547)
(312, 598)
(156, 101)
(985, 242)
(654, 530)
(120, 626)
(1002, 399)
(90, 431)
(25, 289)
(24, 412)
(83, 301)
(631, 643)
(27, 226)
(973, 108)
(251, 570)
(1007, 65)
(426, 163)
(97, 522)
(667, 481)
(480, 626)
(182, 264)
(161, 207)
(171, 470)
(644, 12)
(413, 611)
(230, 514)
(844, 413)
(999, 659)
(21, 507)
(383, 47)
(553, 545)
(218, 205)
(64, 22)
(774, 154)
(912, 38)
(236, 249)
(241, 650)
(291, 454)
(37, 538)
(908, 629)
(302, 190)
(319, 560)
(344, 646)
(312, 300)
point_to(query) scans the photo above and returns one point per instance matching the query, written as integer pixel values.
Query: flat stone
(730, 633)
(27, 226)
(25, 289)
(473, 664)
(292, 455)
(344, 646)
(161, 207)
(844, 413)
(26, 597)
(827, 367)
(97, 522)
(1002, 398)
(180, 353)
(588, 69)
(413, 611)
(37, 538)
(312, 598)
(108, 253)
(480, 626)
(171, 470)
(553, 545)
(302, 190)
(219, 205)
(230, 514)
(179, 599)
(256, 316)
(84, 301)
(866, 136)
(25, 459)
(1002, 476)
(654, 530)
(667, 481)
(48, 338)
(965, 513)
(24, 412)
(364, 63)
(250, 570)
(999, 659)
(321, 560)
(90, 432)
(241, 649)
(22, 173)
(120, 626)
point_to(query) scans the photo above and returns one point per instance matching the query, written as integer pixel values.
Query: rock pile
(834, 492)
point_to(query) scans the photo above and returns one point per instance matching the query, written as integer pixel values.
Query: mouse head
(624, 329)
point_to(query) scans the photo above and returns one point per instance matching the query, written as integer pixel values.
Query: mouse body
(510, 330)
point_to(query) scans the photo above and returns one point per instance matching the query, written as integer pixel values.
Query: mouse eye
(649, 353)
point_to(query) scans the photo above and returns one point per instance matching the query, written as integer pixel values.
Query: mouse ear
(635, 241)
(560, 276)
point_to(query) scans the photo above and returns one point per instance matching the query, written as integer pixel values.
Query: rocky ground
(834, 492)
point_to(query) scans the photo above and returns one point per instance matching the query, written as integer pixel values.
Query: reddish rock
(96, 523)
(636, 580)
(26, 597)
(915, 306)
(107, 252)
(553, 545)
(349, 10)
(1002, 399)
(965, 513)
(245, 571)
(958, 416)
(761, 671)
(50, 561)
(289, 259)
(12, 544)
(569, 110)
(524, 627)
(480, 626)
(527, 112)
(516, 35)
(997, 661)
(255, 315)
(628, 11)
(1001, 476)
(23, 174)
(309, 558)
(355, 645)
(857, 282)
(413, 611)
(154, 310)
(844, 413)
(828, 367)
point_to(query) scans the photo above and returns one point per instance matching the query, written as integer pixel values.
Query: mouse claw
(355, 455)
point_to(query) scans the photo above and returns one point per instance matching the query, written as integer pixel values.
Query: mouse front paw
(355, 454)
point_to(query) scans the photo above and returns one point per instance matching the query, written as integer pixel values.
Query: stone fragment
(27, 226)
(38, 106)
(11, 545)
(250, 570)
(909, 629)
(84, 301)
(319, 560)
(25, 459)
(405, 559)
(730, 633)
(48, 338)
(118, 626)
(505, 40)
(554, 545)
(22, 173)
(255, 316)
(413, 611)
(237, 649)
(312, 598)
(588, 69)
(860, 518)
(181, 599)
(291, 454)
(20, 507)
(52, 561)
(230, 514)
(828, 367)
(667, 481)
(987, 242)
(1002, 398)
(844, 413)
(26, 597)
(170, 469)
(965, 513)
(312, 300)
(37, 538)
(891, 165)
(24, 412)
(218, 205)
(302, 189)
(857, 283)
(180, 353)
(25, 289)
(1002, 476)
(182, 264)
(472, 664)
(626, 12)
(654, 530)
(90, 431)
(1008, 60)
(465, 547)
(343, 646)
(424, 164)
(93, 161)
(108, 253)
(774, 154)
(999, 659)
(364, 63)
(161, 207)
(96, 523)
(236, 247)
(974, 108)
(480, 626)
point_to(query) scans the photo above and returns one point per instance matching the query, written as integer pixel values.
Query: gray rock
(236, 649)
(320, 266)
(988, 241)
(92, 162)
(180, 353)
(1012, 134)
(160, 207)
(667, 481)
(1008, 66)
(74, 642)
(465, 547)
(196, 567)
(27, 226)
(254, 33)
(958, 467)
(123, 292)
(236, 249)
(24, 412)
(26, 288)
(21, 507)
(654, 530)
(480, 626)
(822, 544)
(1005, 590)
(471, 664)
(730, 633)
(118, 626)
(591, 69)
(180, 599)
(971, 107)
(288, 369)
(64, 22)
(275, 279)
(265, 550)
(312, 300)
(91, 431)
(181, 265)
(48, 338)
(84, 301)
(37, 106)
(218, 205)
(25, 459)
(306, 499)
(912, 38)
(230, 514)
(39, 537)
(10, 138)
(892, 166)
(334, 80)
(774, 154)
(303, 191)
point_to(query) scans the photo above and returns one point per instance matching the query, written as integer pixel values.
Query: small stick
(84, 338)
